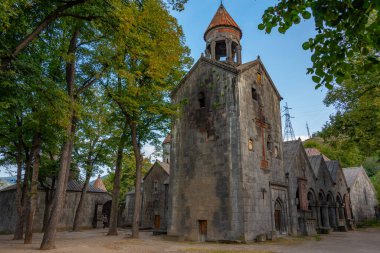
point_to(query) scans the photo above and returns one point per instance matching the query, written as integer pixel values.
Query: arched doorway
(279, 217)
(107, 210)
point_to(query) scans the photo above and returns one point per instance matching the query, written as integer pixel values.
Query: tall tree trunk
(116, 186)
(48, 240)
(49, 194)
(78, 212)
(19, 230)
(18, 235)
(33, 188)
(138, 158)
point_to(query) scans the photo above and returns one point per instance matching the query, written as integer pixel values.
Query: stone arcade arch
(323, 211)
(340, 206)
(332, 210)
(311, 213)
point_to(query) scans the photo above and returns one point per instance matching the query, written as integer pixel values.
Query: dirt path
(96, 241)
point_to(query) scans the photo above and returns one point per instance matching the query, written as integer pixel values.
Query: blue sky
(282, 55)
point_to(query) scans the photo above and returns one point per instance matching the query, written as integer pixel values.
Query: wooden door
(203, 230)
(277, 219)
(157, 221)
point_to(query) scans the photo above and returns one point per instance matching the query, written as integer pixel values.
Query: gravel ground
(96, 241)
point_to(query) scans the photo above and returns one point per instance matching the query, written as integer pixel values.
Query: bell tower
(223, 37)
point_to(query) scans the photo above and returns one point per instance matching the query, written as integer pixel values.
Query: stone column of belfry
(229, 50)
(213, 45)
(239, 60)
(207, 51)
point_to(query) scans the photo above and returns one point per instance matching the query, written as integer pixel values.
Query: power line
(288, 131)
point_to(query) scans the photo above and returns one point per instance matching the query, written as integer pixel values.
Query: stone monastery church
(231, 176)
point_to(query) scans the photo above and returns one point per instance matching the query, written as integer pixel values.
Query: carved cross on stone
(263, 125)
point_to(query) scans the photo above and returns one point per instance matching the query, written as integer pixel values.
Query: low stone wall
(8, 213)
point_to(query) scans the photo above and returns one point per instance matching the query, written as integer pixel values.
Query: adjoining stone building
(319, 188)
(154, 205)
(97, 201)
(227, 180)
(155, 197)
(362, 192)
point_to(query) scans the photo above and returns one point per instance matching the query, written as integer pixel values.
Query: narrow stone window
(269, 143)
(202, 100)
(155, 186)
(258, 77)
(276, 152)
(250, 144)
(254, 94)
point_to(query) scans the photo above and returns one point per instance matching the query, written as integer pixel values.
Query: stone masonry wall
(154, 200)
(205, 177)
(256, 189)
(8, 210)
(363, 199)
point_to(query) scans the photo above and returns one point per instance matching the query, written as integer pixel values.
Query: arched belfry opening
(223, 37)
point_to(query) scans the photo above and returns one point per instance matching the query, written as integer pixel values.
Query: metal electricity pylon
(288, 131)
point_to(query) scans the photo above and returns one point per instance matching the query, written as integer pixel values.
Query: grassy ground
(369, 224)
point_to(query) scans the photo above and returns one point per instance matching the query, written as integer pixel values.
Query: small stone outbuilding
(154, 205)
(96, 203)
(155, 197)
(362, 192)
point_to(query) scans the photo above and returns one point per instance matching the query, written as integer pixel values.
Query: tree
(39, 14)
(128, 175)
(357, 101)
(376, 183)
(91, 151)
(337, 148)
(347, 37)
(145, 73)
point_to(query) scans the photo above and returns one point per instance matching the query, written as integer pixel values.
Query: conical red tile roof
(167, 139)
(223, 18)
(99, 184)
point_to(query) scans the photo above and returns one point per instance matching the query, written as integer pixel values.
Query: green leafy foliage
(376, 183)
(358, 118)
(128, 175)
(347, 37)
(337, 149)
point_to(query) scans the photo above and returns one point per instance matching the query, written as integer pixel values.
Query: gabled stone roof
(165, 166)
(248, 65)
(72, 185)
(351, 175)
(290, 149)
(223, 18)
(333, 167)
(215, 63)
(314, 152)
(315, 162)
